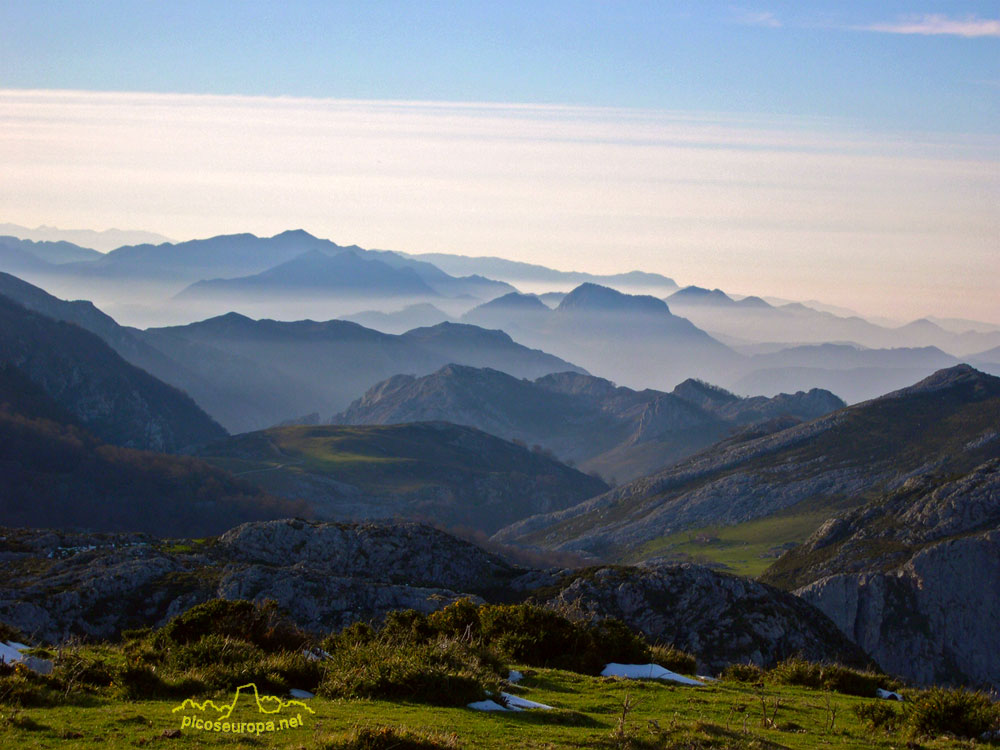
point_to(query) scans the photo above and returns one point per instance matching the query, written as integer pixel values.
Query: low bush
(539, 637)
(743, 673)
(937, 711)
(443, 671)
(834, 677)
(22, 688)
(878, 715)
(261, 625)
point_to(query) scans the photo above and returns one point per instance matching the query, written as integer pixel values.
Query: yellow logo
(267, 705)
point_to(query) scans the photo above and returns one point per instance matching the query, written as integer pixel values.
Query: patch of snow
(706, 678)
(490, 705)
(887, 695)
(304, 694)
(516, 703)
(514, 676)
(10, 653)
(646, 672)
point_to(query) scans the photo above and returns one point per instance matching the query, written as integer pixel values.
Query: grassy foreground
(589, 712)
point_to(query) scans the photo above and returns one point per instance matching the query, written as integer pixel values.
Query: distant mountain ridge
(617, 431)
(251, 374)
(631, 339)
(56, 472)
(102, 241)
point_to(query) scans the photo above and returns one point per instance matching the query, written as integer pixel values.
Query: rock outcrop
(55, 585)
(722, 619)
(914, 579)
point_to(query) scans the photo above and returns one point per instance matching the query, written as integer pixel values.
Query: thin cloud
(934, 24)
(765, 18)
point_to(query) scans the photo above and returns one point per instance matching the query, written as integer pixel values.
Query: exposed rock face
(915, 578)
(55, 585)
(933, 620)
(720, 618)
(391, 552)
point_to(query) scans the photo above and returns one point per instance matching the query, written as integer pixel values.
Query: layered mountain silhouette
(942, 424)
(302, 367)
(315, 272)
(434, 471)
(619, 432)
(118, 402)
(632, 339)
(252, 374)
(517, 273)
(752, 319)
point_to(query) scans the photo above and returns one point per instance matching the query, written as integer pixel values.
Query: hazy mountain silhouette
(632, 339)
(315, 273)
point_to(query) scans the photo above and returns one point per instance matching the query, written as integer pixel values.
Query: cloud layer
(932, 24)
(895, 225)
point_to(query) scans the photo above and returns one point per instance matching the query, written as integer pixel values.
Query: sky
(843, 151)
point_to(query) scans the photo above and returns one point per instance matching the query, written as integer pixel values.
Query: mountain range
(616, 431)
(808, 471)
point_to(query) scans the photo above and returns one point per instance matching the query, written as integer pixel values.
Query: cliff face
(933, 619)
(913, 578)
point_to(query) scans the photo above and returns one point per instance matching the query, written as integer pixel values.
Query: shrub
(834, 677)
(459, 619)
(950, 711)
(539, 637)
(674, 659)
(261, 625)
(880, 715)
(443, 672)
(10, 633)
(743, 673)
(21, 687)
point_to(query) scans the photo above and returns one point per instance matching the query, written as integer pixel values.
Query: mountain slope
(437, 471)
(55, 472)
(120, 403)
(809, 471)
(589, 420)
(297, 368)
(913, 576)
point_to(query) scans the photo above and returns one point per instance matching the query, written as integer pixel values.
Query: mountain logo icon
(274, 714)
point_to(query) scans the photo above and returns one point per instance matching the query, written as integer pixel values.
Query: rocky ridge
(55, 585)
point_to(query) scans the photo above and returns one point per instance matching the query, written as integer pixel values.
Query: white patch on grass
(647, 672)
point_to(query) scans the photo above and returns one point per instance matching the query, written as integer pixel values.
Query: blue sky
(784, 58)
(844, 151)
